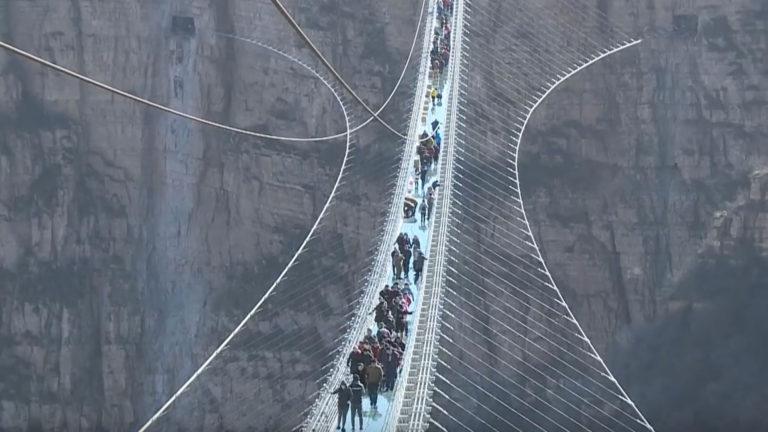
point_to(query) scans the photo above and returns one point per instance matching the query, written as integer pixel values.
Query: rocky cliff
(645, 181)
(132, 241)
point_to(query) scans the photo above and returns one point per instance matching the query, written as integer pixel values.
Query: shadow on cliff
(702, 367)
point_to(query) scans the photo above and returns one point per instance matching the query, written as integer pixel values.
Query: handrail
(318, 419)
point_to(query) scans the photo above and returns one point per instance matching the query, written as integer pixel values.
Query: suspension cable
(216, 352)
(375, 115)
(330, 67)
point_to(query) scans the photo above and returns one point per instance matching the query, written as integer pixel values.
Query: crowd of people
(375, 361)
(441, 39)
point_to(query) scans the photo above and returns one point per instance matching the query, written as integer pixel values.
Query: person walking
(416, 243)
(373, 375)
(416, 172)
(384, 294)
(398, 344)
(430, 202)
(356, 401)
(380, 311)
(354, 360)
(423, 211)
(418, 266)
(344, 394)
(382, 333)
(394, 292)
(401, 242)
(423, 174)
(401, 318)
(425, 159)
(430, 155)
(395, 253)
(390, 361)
(389, 322)
(407, 293)
(407, 262)
(407, 241)
(398, 261)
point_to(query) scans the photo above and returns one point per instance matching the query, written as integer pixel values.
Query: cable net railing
(511, 354)
(323, 414)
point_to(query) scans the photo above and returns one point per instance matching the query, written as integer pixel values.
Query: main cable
(277, 281)
(28, 55)
(341, 80)
(329, 66)
(139, 99)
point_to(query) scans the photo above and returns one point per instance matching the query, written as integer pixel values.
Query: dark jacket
(392, 296)
(356, 390)
(380, 312)
(401, 243)
(384, 294)
(407, 257)
(390, 360)
(389, 323)
(418, 262)
(367, 358)
(344, 395)
(355, 359)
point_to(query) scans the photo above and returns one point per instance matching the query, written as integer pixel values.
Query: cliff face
(132, 241)
(645, 181)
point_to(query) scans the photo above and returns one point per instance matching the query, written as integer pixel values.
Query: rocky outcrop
(744, 222)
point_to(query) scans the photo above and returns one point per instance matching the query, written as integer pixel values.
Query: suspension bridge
(492, 345)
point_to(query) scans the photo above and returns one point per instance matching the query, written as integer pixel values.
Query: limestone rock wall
(132, 241)
(640, 169)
